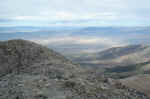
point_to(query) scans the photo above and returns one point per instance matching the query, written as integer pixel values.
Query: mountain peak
(23, 56)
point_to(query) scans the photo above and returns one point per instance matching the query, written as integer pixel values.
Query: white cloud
(79, 44)
(66, 16)
(80, 41)
(122, 12)
(26, 18)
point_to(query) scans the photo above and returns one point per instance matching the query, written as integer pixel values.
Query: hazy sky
(75, 12)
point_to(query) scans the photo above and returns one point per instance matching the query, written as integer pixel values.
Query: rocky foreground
(31, 71)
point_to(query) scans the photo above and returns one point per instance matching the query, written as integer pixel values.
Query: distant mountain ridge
(124, 55)
(120, 51)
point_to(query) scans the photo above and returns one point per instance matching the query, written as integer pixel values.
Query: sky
(74, 13)
(57, 15)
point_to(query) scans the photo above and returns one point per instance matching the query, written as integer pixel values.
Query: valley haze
(74, 40)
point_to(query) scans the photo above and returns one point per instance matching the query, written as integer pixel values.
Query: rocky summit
(32, 71)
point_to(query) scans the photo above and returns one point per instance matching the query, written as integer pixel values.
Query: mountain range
(32, 71)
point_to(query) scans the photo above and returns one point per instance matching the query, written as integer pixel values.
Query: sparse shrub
(69, 84)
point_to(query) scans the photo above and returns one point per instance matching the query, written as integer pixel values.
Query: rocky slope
(19, 56)
(31, 71)
(138, 82)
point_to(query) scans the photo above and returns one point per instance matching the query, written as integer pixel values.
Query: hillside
(135, 56)
(125, 55)
(127, 61)
(19, 56)
(116, 52)
(31, 71)
(139, 82)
